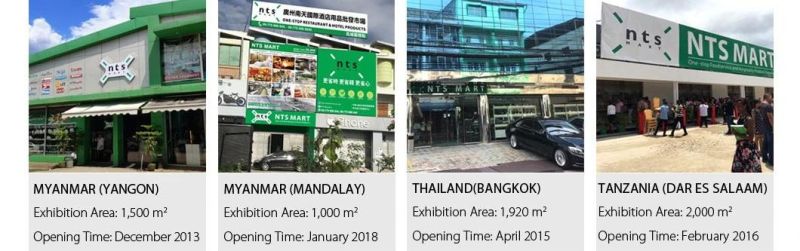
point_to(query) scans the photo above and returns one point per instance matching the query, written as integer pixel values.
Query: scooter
(232, 98)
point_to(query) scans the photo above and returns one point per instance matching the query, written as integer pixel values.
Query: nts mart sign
(632, 36)
(306, 19)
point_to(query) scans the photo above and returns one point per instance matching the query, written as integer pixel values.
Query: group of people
(755, 139)
(755, 135)
(677, 113)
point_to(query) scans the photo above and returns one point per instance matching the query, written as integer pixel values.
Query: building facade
(476, 65)
(630, 67)
(241, 61)
(103, 87)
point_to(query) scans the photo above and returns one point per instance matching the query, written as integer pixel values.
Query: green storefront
(101, 88)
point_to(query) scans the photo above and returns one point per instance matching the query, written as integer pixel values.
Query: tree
(149, 144)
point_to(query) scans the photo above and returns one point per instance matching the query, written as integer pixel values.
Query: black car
(557, 139)
(577, 122)
(286, 160)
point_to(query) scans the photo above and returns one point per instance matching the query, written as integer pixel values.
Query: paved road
(489, 157)
(703, 150)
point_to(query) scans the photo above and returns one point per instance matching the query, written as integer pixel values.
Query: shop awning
(103, 110)
(174, 105)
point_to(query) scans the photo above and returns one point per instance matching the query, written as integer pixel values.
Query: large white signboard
(305, 19)
(633, 36)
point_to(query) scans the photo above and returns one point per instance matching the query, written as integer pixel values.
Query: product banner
(346, 80)
(711, 52)
(632, 36)
(282, 77)
(306, 19)
(285, 118)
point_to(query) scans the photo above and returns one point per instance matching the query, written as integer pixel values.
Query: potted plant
(64, 139)
(148, 145)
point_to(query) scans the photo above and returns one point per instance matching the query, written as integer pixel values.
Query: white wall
(618, 70)
(662, 90)
(88, 60)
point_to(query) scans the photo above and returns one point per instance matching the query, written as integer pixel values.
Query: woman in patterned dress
(747, 157)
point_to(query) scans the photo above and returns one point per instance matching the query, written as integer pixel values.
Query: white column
(483, 112)
(741, 91)
(675, 92)
(377, 149)
(759, 92)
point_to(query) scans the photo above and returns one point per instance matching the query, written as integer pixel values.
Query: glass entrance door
(469, 128)
(101, 131)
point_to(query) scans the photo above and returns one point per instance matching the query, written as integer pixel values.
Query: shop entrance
(133, 148)
(446, 120)
(694, 92)
(275, 143)
(102, 148)
(624, 94)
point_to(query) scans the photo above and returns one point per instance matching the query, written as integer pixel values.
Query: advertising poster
(60, 81)
(183, 58)
(281, 77)
(46, 86)
(347, 82)
(306, 19)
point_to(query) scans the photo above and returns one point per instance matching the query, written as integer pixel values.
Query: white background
(14, 172)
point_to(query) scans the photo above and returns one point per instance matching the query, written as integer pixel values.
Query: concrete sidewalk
(703, 150)
(495, 156)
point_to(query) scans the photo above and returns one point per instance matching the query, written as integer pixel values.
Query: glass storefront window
(186, 138)
(183, 58)
(609, 92)
(42, 132)
(441, 120)
(505, 109)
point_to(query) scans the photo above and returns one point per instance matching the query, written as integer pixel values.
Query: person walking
(767, 130)
(663, 117)
(679, 110)
(641, 106)
(611, 114)
(727, 113)
(703, 107)
(746, 158)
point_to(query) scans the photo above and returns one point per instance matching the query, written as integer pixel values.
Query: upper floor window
(508, 14)
(183, 58)
(476, 10)
(230, 55)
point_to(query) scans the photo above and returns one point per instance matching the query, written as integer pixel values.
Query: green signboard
(346, 82)
(711, 52)
(282, 118)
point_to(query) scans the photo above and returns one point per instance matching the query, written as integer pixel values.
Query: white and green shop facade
(280, 93)
(645, 56)
(149, 70)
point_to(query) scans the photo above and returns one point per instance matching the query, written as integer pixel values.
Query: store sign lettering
(711, 52)
(270, 117)
(433, 88)
(632, 36)
(119, 69)
(306, 19)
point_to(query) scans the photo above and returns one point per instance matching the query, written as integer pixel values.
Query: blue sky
(52, 22)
